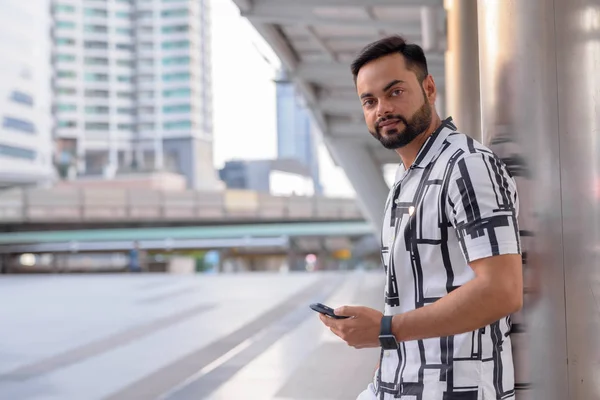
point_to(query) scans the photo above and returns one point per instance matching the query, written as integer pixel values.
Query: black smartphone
(323, 309)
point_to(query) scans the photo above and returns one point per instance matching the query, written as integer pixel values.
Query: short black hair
(413, 55)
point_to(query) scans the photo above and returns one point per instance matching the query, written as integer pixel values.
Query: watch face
(388, 342)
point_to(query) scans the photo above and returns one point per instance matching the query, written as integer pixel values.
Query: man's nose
(384, 107)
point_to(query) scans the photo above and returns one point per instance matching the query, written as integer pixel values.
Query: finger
(329, 322)
(346, 311)
(337, 332)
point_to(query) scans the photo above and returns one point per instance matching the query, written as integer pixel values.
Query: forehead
(375, 75)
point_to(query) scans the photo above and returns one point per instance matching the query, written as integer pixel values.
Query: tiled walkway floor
(129, 337)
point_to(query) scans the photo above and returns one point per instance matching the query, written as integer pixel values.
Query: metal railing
(79, 205)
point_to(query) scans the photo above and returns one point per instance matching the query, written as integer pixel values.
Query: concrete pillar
(462, 67)
(539, 80)
(429, 28)
(365, 175)
(158, 153)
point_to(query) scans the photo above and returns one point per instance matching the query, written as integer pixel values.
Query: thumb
(346, 311)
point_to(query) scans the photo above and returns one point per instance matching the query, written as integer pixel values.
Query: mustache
(389, 117)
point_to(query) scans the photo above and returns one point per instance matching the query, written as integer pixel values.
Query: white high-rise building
(132, 87)
(25, 113)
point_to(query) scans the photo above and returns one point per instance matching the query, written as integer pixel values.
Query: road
(167, 337)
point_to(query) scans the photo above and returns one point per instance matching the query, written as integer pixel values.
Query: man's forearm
(472, 306)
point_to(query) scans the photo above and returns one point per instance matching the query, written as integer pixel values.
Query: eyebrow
(385, 89)
(392, 83)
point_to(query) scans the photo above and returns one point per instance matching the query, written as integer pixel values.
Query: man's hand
(361, 330)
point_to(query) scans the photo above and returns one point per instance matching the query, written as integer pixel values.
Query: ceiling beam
(339, 128)
(340, 106)
(429, 29)
(319, 42)
(371, 14)
(353, 3)
(304, 16)
(338, 74)
(244, 5)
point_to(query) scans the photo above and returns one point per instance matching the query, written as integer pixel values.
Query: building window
(97, 126)
(96, 110)
(65, 25)
(146, 127)
(146, 46)
(125, 63)
(67, 124)
(123, 14)
(177, 108)
(175, 29)
(125, 95)
(144, 14)
(175, 77)
(92, 77)
(125, 111)
(66, 74)
(125, 46)
(146, 29)
(65, 57)
(66, 107)
(145, 78)
(96, 94)
(96, 28)
(125, 127)
(182, 92)
(124, 31)
(18, 124)
(60, 8)
(65, 90)
(65, 42)
(96, 61)
(94, 12)
(146, 94)
(173, 125)
(182, 12)
(95, 44)
(146, 61)
(180, 44)
(22, 98)
(176, 61)
(124, 78)
(17, 152)
(146, 110)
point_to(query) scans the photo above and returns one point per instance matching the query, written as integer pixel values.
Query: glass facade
(17, 152)
(18, 124)
(294, 129)
(135, 59)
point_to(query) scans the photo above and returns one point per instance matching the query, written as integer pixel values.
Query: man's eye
(368, 103)
(397, 92)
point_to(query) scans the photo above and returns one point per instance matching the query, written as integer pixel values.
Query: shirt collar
(433, 144)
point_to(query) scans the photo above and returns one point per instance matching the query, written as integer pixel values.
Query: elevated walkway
(66, 208)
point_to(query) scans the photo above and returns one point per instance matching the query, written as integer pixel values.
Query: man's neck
(408, 153)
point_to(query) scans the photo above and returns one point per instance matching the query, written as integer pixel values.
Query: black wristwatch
(386, 338)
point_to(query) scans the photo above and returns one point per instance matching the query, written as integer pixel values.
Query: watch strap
(386, 325)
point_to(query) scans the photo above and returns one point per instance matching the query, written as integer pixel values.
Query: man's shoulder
(460, 146)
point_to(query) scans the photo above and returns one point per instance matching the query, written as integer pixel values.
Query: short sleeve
(483, 206)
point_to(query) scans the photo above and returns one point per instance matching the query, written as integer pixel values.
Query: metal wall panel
(540, 88)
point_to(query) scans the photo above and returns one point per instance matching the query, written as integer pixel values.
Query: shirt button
(397, 201)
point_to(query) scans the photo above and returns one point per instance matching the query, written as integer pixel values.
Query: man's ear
(430, 88)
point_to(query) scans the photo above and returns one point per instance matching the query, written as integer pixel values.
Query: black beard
(395, 139)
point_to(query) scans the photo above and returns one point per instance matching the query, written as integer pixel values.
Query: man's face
(394, 103)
